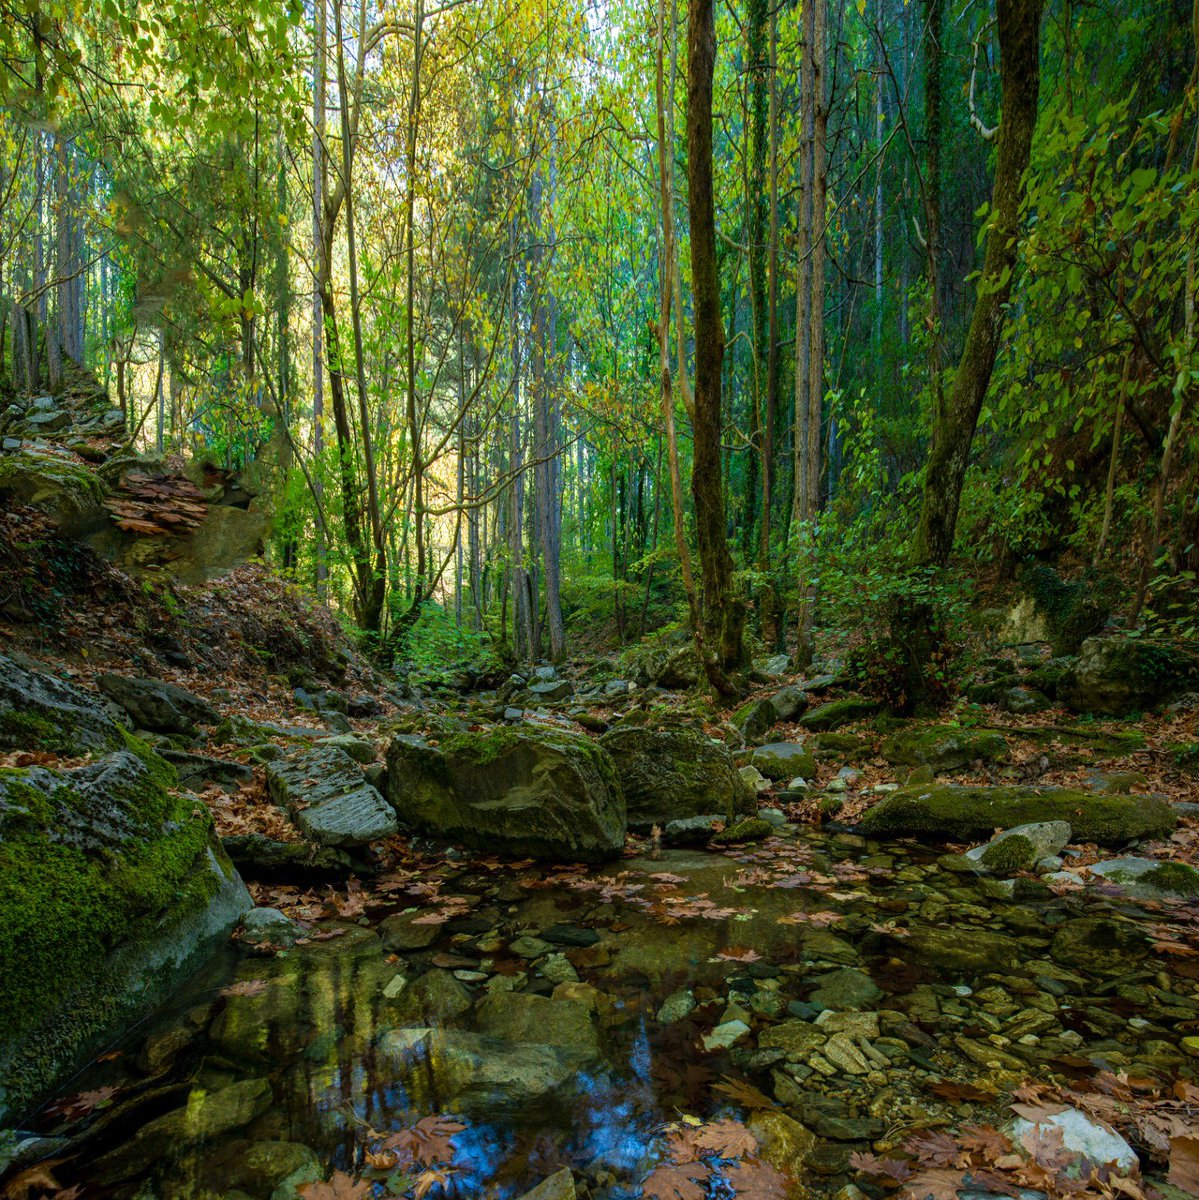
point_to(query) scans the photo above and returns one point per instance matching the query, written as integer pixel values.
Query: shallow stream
(561, 1018)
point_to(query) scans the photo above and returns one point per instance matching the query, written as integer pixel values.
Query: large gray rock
(113, 890)
(544, 793)
(39, 711)
(1121, 675)
(673, 774)
(156, 705)
(943, 812)
(326, 794)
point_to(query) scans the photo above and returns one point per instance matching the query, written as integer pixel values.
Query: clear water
(765, 927)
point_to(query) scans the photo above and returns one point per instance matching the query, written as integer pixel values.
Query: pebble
(530, 947)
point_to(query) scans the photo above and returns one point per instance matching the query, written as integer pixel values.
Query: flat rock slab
(325, 793)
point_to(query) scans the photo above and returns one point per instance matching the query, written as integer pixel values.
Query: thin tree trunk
(319, 260)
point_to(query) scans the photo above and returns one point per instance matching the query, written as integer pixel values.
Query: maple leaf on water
(82, 1103)
(676, 1181)
(725, 1139)
(757, 1180)
(985, 1141)
(743, 1093)
(936, 1149)
(935, 1184)
(247, 987)
(897, 1169)
(430, 1178)
(425, 1143)
(340, 1187)
(738, 954)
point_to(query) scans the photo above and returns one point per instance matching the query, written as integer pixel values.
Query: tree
(955, 420)
(723, 609)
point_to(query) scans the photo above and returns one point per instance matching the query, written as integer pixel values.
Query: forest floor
(812, 1013)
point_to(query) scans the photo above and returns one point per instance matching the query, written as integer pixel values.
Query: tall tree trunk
(1019, 66)
(934, 20)
(319, 261)
(373, 576)
(724, 612)
(810, 319)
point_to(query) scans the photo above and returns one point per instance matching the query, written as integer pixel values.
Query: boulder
(325, 793)
(944, 747)
(680, 670)
(950, 813)
(1121, 675)
(754, 719)
(542, 793)
(39, 711)
(157, 706)
(692, 831)
(836, 713)
(1021, 848)
(789, 702)
(1054, 610)
(784, 760)
(258, 856)
(195, 770)
(113, 890)
(674, 774)
(550, 690)
(228, 537)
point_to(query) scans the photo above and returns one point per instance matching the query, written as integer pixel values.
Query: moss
(162, 774)
(65, 909)
(944, 747)
(840, 743)
(839, 712)
(1009, 854)
(484, 747)
(950, 813)
(1176, 878)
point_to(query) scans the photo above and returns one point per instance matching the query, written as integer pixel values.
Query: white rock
(1095, 1142)
(723, 1036)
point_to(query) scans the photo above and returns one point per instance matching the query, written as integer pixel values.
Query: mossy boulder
(1121, 675)
(1062, 612)
(784, 760)
(674, 773)
(752, 829)
(542, 793)
(1020, 849)
(951, 813)
(964, 950)
(39, 711)
(113, 891)
(836, 713)
(65, 487)
(944, 747)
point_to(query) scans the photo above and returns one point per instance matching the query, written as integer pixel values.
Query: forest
(598, 599)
